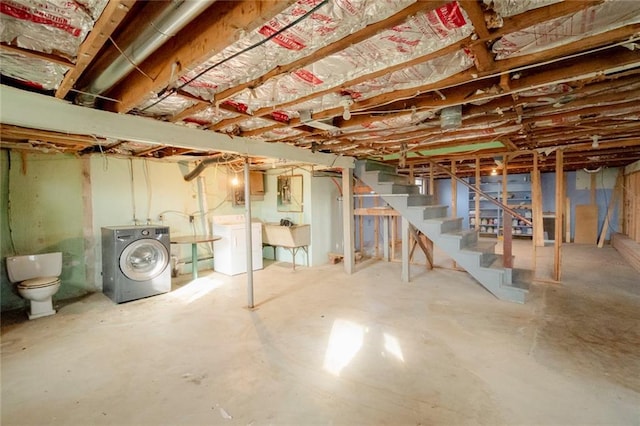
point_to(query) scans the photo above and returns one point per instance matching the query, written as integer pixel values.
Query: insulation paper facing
(329, 23)
(514, 7)
(36, 72)
(52, 26)
(594, 20)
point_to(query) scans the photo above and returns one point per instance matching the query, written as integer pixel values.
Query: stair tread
(430, 206)
(522, 278)
(497, 262)
(482, 247)
(458, 242)
(443, 219)
(518, 285)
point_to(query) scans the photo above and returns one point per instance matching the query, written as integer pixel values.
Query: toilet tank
(20, 268)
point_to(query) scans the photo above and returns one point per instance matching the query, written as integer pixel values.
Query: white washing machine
(135, 262)
(230, 251)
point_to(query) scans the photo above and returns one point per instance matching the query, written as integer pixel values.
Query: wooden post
(536, 204)
(454, 191)
(376, 232)
(505, 201)
(557, 244)
(454, 198)
(477, 196)
(360, 228)
(432, 183)
(593, 188)
(567, 215)
(405, 250)
(507, 257)
(385, 238)
(347, 220)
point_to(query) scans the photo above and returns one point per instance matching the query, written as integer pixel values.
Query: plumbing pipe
(178, 14)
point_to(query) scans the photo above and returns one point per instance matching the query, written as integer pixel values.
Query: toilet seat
(38, 282)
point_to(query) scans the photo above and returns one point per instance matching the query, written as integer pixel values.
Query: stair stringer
(445, 232)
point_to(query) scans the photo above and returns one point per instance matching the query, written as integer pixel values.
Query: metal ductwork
(176, 15)
(207, 162)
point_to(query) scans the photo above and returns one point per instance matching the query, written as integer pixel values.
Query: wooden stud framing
(557, 267)
(536, 204)
(477, 196)
(614, 198)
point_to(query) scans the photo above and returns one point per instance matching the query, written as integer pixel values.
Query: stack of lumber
(629, 249)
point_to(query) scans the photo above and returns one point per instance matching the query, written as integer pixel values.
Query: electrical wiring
(133, 192)
(129, 59)
(241, 52)
(149, 188)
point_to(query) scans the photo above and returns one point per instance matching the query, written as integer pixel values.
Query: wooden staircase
(478, 258)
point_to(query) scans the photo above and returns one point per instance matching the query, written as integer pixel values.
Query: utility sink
(274, 234)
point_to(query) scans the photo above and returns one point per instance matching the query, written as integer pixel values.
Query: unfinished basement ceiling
(401, 81)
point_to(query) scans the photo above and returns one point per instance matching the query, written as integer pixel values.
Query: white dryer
(135, 262)
(230, 251)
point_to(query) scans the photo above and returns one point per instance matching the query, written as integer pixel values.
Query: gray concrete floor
(325, 348)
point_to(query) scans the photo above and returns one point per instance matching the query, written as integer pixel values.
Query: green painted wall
(60, 203)
(42, 201)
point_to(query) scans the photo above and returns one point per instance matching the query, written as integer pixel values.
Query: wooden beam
(208, 34)
(532, 17)
(112, 15)
(356, 37)
(483, 57)
(363, 78)
(37, 55)
(51, 114)
(425, 246)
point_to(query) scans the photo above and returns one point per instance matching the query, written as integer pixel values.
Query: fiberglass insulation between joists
(598, 19)
(55, 27)
(419, 35)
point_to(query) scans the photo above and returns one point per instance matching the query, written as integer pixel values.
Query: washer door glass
(144, 259)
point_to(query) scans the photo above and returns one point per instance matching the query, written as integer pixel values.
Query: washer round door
(144, 259)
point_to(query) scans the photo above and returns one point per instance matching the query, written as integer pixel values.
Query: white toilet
(38, 280)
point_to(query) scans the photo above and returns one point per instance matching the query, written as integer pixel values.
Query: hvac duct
(205, 163)
(166, 25)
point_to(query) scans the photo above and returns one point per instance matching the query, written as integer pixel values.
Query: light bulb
(234, 181)
(494, 172)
